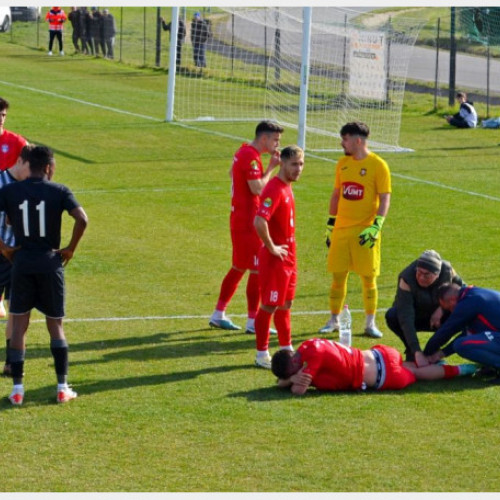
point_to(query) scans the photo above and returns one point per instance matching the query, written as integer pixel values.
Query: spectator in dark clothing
(74, 19)
(466, 116)
(86, 19)
(181, 35)
(96, 31)
(416, 305)
(199, 35)
(108, 33)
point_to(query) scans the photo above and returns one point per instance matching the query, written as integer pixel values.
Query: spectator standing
(74, 19)
(275, 225)
(199, 36)
(56, 17)
(466, 116)
(181, 35)
(108, 32)
(35, 207)
(96, 31)
(358, 206)
(416, 305)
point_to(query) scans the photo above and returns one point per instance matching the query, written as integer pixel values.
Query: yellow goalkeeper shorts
(346, 254)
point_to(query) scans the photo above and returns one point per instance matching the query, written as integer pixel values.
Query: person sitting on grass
(466, 116)
(330, 366)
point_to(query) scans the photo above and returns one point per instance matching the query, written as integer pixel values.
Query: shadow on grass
(46, 395)
(187, 340)
(458, 384)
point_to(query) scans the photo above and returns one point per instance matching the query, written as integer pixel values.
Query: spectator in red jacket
(56, 17)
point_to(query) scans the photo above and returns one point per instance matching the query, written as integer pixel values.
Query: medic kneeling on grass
(331, 366)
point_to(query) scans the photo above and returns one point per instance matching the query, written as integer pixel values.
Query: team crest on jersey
(362, 172)
(254, 165)
(267, 202)
(353, 191)
(5, 148)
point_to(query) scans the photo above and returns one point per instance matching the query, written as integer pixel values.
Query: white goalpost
(313, 69)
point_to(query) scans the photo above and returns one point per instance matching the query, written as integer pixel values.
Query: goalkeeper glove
(370, 234)
(329, 229)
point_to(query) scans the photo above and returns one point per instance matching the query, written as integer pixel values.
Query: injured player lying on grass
(331, 366)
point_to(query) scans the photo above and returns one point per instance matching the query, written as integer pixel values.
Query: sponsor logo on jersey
(353, 191)
(267, 202)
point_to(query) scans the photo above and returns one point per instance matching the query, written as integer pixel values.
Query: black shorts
(43, 291)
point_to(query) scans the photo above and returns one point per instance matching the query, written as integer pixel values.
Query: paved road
(471, 71)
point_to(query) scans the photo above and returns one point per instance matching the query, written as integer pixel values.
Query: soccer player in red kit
(275, 225)
(248, 180)
(11, 144)
(331, 366)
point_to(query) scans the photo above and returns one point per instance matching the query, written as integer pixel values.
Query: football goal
(313, 69)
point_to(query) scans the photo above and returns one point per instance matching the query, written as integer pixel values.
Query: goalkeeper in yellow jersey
(358, 207)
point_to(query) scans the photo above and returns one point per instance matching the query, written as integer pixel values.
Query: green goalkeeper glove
(370, 234)
(329, 229)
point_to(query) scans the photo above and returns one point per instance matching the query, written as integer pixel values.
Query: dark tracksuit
(477, 317)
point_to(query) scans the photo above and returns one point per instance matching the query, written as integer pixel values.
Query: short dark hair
(291, 152)
(268, 127)
(447, 289)
(4, 104)
(26, 151)
(355, 128)
(281, 364)
(461, 94)
(39, 157)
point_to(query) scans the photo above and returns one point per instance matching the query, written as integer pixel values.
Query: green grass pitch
(166, 404)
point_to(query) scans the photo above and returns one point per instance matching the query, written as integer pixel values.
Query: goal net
(254, 59)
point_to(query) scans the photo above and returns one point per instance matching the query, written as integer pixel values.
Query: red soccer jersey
(333, 367)
(247, 166)
(278, 208)
(10, 148)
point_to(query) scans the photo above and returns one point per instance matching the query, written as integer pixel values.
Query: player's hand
(434, 358)
(301, 378)
(370, 234)
(421, 359)
(8, 252)
(66, 255)
(280, 251)
(436, 318)
(329, 228)
(275, 159)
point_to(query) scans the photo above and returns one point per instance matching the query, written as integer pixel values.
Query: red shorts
(393, 375)
(277, 282)
(246, 246)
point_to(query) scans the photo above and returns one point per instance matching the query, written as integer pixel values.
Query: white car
(5, 18)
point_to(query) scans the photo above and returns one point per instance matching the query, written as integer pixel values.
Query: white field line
(182, 317)
(229, 136)
(79, 101)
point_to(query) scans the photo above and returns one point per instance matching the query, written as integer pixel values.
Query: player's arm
(300, 382)
(334, 204)
(262, 229)
(79, 226)
(7, 251)
(257, 185)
